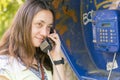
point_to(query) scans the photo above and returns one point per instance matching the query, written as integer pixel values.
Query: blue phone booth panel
(74, 24)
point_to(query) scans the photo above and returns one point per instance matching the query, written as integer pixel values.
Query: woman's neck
(35, 64)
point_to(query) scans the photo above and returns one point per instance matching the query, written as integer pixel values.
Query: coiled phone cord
(53, 64)
(112, 66)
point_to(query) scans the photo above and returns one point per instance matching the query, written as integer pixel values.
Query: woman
(20, 55)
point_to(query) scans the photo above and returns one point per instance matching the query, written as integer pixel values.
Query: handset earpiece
(51, 30)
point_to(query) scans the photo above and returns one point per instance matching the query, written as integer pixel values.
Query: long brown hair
(17, 39)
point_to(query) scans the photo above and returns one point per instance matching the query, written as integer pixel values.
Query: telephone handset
(47, 44)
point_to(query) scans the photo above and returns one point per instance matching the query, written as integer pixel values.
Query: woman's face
(41, 25)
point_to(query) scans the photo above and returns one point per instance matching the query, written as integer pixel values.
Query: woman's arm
(59, 71)
(56, 55)
(59, 74)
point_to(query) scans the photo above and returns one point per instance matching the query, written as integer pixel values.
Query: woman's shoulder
(3, 60)
(4, 57)
(12, 68)
(10, 63)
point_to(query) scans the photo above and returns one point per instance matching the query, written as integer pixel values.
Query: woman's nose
(44, 32)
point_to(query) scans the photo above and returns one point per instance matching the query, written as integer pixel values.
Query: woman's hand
(56, 52)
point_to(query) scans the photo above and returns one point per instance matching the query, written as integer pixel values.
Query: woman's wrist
(58, 62)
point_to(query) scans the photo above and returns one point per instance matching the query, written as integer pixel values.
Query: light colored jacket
(14, 70)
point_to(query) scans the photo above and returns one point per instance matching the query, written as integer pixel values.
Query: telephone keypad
(107, 36)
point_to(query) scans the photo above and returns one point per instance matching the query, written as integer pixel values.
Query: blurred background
(8, 9)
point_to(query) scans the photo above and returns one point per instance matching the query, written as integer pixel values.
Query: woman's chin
(37, 45)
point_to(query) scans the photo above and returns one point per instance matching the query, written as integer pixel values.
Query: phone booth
(89, 34)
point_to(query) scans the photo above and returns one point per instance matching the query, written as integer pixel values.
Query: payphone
(106, 33)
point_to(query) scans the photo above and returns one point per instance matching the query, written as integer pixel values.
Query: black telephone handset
(47, 44)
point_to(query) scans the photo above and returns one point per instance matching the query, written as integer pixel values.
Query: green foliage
(8, 9)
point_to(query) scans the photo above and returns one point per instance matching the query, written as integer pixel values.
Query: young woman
(20, 55)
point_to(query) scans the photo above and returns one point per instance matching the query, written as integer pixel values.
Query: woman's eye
(39, 25)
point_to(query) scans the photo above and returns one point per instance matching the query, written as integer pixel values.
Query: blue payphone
(106, 33)
(106, 25)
